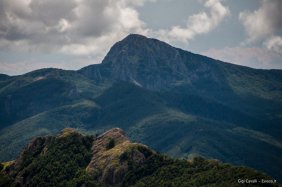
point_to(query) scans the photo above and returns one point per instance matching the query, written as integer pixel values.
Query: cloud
(21, 62)
(264, 24)
(274, 43)
(78, 27)
(23, 66)
(83, 27)
(200, 23)
(252, 57)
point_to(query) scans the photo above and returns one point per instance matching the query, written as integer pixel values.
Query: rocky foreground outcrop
(110, 163)
(73, 159)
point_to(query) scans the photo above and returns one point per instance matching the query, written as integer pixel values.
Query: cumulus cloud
(200, 23)
(70, 26)
(84, 27)
(264, 24)
(274, 43)
(253, 57)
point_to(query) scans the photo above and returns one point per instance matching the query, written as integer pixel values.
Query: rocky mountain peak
(145, 62)
(153, 64)
(138, 46)
(135, 37)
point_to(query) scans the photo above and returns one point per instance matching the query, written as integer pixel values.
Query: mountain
(73, 159)
(177, 102)
(3, 77)
(155, 65)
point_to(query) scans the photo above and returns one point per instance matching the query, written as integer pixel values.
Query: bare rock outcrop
(110, 163)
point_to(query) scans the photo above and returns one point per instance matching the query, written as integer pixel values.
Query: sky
(71, 34)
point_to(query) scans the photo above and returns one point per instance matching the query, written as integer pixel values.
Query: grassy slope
(266, 84)
(24, 96)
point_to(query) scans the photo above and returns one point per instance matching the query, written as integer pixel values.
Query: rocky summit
(111, 153)
(153, 64)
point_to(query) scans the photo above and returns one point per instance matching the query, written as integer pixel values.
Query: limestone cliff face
(109, 164)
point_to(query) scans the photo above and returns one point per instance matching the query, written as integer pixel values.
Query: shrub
(111, 144)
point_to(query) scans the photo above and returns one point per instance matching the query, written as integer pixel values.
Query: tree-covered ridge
(73, 159)
(53, 161)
